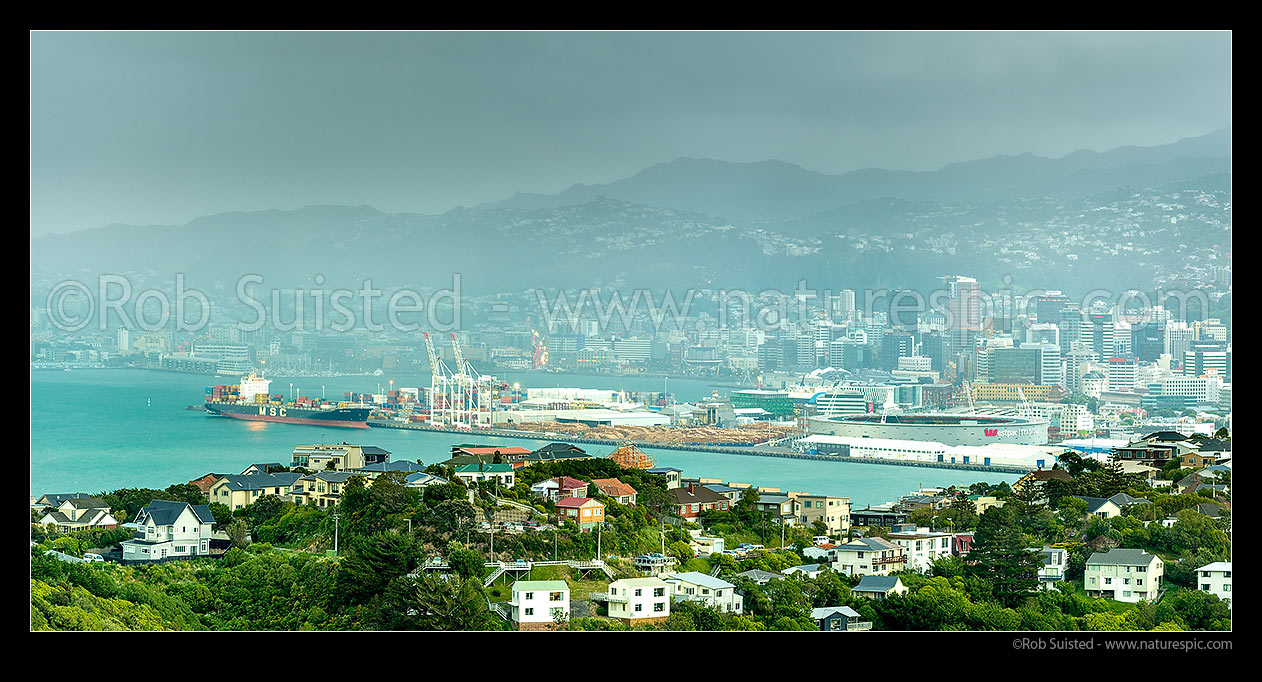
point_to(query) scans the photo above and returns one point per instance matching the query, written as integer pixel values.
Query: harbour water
(98, 430)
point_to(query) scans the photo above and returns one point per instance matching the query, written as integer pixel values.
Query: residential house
(561, 486)
(922, 545)
(501, 474)
(1035, 481)
(833, 512)
(671, 474)
(732, 494)
(540, 604)
(619, 491)
(584, 511)
(55, 499)
(962, 544)
(241, 490)
(552, 452)
(1111, 507)
(703, 545)
(1126, 575)
(321, 489)
(1054, 562)
(880, 516)
(80, 513)
(168, 530)
(262, 468)
(203, 484)
(462, 455)
(811, 571)
(868, 556)
(983, 502)
(637, 601)
(403, 466)
(760, 577)
(1215, 578)
(691, 501)
(338, 457)
(839, 619)
(879, 586)
(706, 589)
(778, 507)
(421, 479)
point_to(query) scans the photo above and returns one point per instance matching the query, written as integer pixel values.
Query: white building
(1215, 578)
(921, 545)
(868, 556)
(1055, 560)
(709, 590)
(540, 604)
(1126, 575)
(639, 600)
(170, 529)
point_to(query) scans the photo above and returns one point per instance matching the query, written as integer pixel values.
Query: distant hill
(774, 190)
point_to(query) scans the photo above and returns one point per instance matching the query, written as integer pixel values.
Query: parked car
(88, 556)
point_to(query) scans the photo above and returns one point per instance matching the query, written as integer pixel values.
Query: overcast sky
(160, 128)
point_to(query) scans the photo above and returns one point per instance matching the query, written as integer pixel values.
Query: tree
(238, 533)
(1001, 556)
(465, 562)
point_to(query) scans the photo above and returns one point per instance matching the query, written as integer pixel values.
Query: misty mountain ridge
(762, 191)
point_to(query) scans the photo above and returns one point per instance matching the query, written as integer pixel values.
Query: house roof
(757, 574)
(568, 502)
(55, 499)
(698, 578)
(329, 476)
(373, 450)
(876, 583)
(264, 467)
(720, 488)
(613, 487)
(1095, 503)
(828, 611)
(867, 545)
(698, 495)
(804, 568)
(87, 503)
(662, 470)
(1121, 557)
(283, 479)
(552, 448)
(166, 512)
(1216, 566)
(403, 465)
(540, 585)
(424, 478)
(485, 468)
(568, 483)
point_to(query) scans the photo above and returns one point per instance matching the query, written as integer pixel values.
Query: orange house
(584, 511)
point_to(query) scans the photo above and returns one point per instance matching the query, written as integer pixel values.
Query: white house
(1054, 559)
(1126, 575)
(639, 600)
(167, 530)
(1215, 578)
(879, 587)
(811, 571)
(922, 545)
(540, 604)
(709, 590)
(868, 556)
(79, 513)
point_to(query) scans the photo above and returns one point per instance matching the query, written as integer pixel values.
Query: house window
(638, 591)
(530, 612)
(659, 607)
(556, 596)
(530, 596)
(639, 607)
(659, 591)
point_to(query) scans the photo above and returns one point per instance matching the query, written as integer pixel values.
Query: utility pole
(336, 518)
(598, 530)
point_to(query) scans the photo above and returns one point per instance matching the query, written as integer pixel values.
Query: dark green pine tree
(1002, 558)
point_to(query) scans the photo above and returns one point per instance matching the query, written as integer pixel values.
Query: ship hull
(346, 417)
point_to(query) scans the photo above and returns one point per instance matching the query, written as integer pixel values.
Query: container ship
(250, 400)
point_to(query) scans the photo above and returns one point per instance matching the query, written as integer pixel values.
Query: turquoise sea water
(98, 430)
